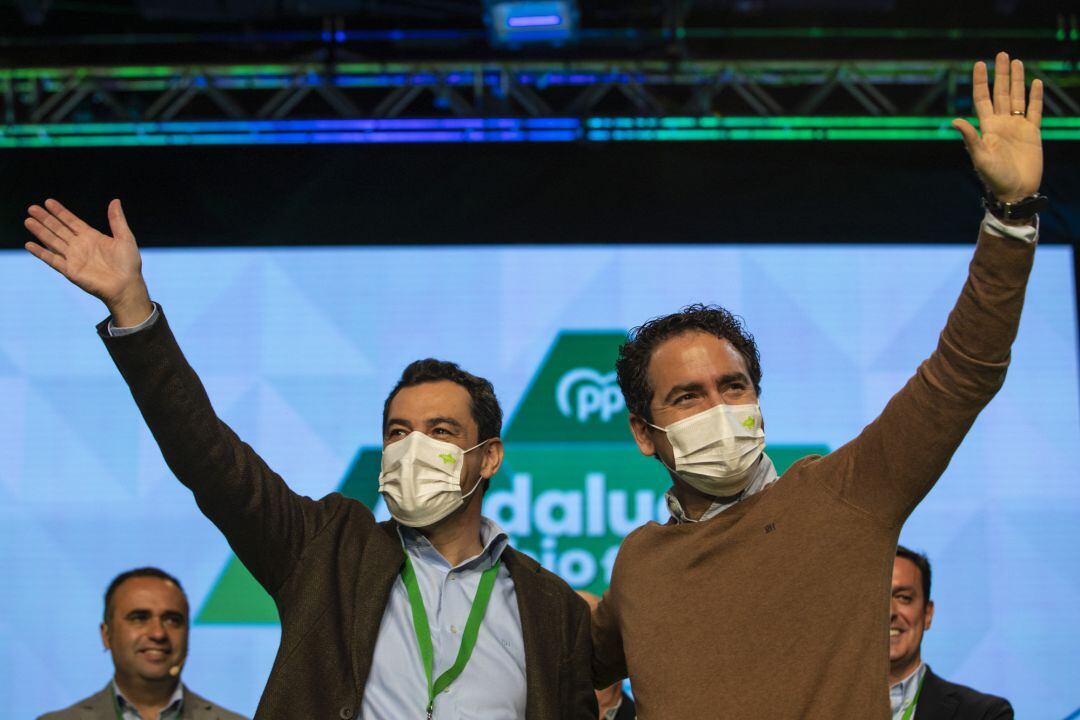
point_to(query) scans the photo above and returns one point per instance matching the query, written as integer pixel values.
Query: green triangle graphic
(574, 395)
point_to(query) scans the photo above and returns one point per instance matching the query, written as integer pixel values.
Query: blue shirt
(492, 686)
(170, 712)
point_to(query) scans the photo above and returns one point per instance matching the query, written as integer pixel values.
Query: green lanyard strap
(914, 701)
(423, 632)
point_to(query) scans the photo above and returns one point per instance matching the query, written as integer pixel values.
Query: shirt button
(453, 629)
(345, 713)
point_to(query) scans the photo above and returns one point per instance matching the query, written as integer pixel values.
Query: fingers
(66, 216)
(117, 222)
(980, 93)
(56, 262)
(45, 235)
(970, 134)
(1035, 103)
(1002, 104)
(1016, 87)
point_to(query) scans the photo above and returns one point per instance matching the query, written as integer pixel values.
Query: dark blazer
(326, 563)
(99, 706)
(943, 700)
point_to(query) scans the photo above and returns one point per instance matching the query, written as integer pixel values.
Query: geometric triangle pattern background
(297, 349)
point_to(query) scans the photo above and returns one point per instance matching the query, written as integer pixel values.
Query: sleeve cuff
(1025, 233)
(118, 331)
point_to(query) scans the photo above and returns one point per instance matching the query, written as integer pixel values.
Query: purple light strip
(528, 21)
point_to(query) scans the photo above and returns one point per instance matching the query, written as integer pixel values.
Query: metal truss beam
(53, 101)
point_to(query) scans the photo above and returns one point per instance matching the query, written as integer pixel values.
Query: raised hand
(109, 268)
(1008, 153)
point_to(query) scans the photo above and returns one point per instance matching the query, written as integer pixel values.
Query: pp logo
(583, 392)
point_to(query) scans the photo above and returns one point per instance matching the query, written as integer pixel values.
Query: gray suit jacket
(99, 706)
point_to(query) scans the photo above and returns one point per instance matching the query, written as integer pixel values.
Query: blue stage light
(517, 22)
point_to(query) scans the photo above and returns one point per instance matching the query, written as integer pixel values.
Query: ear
(642, 435)
(105, 636)
(493, 457)
(929, 614)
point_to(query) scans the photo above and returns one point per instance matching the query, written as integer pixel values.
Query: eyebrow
(430, 422)
(904, 588)
(697, 387)
(148, 611)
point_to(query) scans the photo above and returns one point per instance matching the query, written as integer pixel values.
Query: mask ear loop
(657, 453)
(480, 480)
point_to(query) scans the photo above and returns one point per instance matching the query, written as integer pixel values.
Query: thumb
(117, 222)
(969, 134)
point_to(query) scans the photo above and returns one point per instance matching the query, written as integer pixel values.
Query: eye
(395, 433)
(685, 397)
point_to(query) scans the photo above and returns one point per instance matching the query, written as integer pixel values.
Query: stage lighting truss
(513, 101)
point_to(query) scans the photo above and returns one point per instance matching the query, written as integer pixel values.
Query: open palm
(107, 267)
(1007, 148)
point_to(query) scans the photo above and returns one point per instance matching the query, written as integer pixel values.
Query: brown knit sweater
(779, 606)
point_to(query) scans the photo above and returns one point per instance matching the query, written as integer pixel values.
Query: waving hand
(1007, 147)
(107, 267)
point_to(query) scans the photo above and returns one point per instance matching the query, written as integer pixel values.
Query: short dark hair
(635, 354)
(483, 404)
(137, 573)
(922, 562)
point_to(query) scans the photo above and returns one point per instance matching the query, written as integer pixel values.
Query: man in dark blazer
(372, 614)
(914, 690)
(145, 630)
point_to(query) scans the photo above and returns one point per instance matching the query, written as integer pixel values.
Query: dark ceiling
(58, 32)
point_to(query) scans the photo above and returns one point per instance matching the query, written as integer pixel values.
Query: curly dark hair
(483, 404)
(635, 354)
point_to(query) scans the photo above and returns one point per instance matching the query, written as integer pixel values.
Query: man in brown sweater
(768, 597)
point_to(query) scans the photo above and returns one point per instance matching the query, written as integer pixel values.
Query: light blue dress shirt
(492, 686)
(902, 694)
(170, 712)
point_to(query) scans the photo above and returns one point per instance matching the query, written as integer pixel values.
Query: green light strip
(799, 122)
(666, 69)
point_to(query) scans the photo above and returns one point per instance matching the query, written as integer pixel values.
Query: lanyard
(423, 632)
(914, 701)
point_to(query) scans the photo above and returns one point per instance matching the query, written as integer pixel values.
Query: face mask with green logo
(716, 449)
(421, 479)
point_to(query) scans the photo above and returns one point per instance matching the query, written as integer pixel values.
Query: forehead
(441, 398)
(693, 357)
(149, 593)
(906, 572)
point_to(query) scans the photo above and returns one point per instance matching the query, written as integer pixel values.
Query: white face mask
(421, 479)
(716, 449)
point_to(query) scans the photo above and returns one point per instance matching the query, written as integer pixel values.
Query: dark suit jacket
(326, 563)
(943, 700)
(99, 706)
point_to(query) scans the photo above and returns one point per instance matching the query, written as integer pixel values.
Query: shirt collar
(493, 538)
(176, 700)
(763, 475)
(902, 694)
